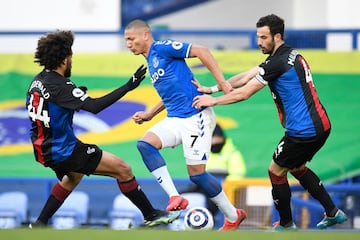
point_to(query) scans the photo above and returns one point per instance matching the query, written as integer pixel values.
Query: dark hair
(275, 24)
(53, 48)
(137, 23)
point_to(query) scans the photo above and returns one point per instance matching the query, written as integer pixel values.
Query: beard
(268, 48)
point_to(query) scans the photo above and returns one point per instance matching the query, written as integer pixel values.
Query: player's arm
(206, 57)
(140, 117)
(96, 105)
(243, 78)
(236, 81)
(239, 94)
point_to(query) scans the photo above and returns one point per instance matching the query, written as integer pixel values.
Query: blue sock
(150, 155)
(208, 183)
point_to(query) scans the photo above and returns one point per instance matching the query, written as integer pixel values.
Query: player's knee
(298, 173)
(140, 145)
(127, 168)
(275, 179)
(121, 167)
(150, 155)
(71, 180)
(144, 147)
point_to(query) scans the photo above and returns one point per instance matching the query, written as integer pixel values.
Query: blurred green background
(253, 124)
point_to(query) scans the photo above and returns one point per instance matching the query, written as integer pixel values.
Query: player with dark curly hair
(51, 101)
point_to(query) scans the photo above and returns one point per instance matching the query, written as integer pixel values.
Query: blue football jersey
(171, 77)
(300, 110)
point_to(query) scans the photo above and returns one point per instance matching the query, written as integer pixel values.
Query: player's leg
(311, 182)
(196, 135)
(80, 161)
(60, 191)
(212, 188)
(281, 196)
(161, 135)
(285, 157)
(111, 165)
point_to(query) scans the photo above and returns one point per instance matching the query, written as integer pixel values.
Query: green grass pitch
(102, 234)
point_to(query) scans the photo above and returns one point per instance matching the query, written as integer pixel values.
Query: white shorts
(194, 133)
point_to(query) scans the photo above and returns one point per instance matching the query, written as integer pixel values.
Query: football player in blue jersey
(184, 124)
(306, 123)
(51, 101)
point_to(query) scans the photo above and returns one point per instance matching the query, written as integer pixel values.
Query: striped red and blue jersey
(51, 102)
(291, 84)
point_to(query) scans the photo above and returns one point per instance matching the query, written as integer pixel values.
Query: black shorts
(84, 159)
(293, 152)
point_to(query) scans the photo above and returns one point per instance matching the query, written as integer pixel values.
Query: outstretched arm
(96, 105)
(243, 78)
(239, 94)
(236, 81)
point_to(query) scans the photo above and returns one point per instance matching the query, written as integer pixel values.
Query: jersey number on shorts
(195, 137)
(36, 112)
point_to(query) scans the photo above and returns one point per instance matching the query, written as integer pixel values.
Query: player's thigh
(168, 131)
(113, 166)
(84, 159)
(196, 135)
(286, 155)
(277, 169)
(294, 152)
(71, 180)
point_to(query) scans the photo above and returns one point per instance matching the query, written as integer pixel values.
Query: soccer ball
(198, 218)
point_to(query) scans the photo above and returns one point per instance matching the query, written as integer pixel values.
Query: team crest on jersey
(77, 92)
(155, 62)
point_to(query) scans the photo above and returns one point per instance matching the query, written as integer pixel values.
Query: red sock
(128, 186)
(59, 192)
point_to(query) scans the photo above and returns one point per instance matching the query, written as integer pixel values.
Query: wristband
(214, 89)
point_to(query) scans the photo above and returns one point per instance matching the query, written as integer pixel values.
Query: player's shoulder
(57, 83)
(46, 78)
(169, 43)
(282, 56)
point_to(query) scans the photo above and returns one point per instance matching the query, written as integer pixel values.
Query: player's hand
(203, 101)
(140, 117)
(201, 88)
(225, 87)
(137, 78)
